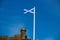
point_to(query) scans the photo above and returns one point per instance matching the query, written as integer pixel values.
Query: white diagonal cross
(31, 10)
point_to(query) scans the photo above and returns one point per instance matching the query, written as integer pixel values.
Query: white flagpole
(26, 11)
(34, 25)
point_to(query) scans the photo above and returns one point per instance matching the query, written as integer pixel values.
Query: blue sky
(12, 18)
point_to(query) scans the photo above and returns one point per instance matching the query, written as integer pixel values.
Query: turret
(23, 34)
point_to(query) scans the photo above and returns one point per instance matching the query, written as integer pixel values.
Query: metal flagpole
(34, 25)
(33, 12)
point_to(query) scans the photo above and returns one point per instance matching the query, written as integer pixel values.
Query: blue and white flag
(31, 10)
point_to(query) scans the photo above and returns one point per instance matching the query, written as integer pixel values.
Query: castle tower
(23, 34)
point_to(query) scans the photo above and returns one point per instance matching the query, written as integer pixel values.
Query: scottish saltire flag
(12, 18)
(30, 11)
